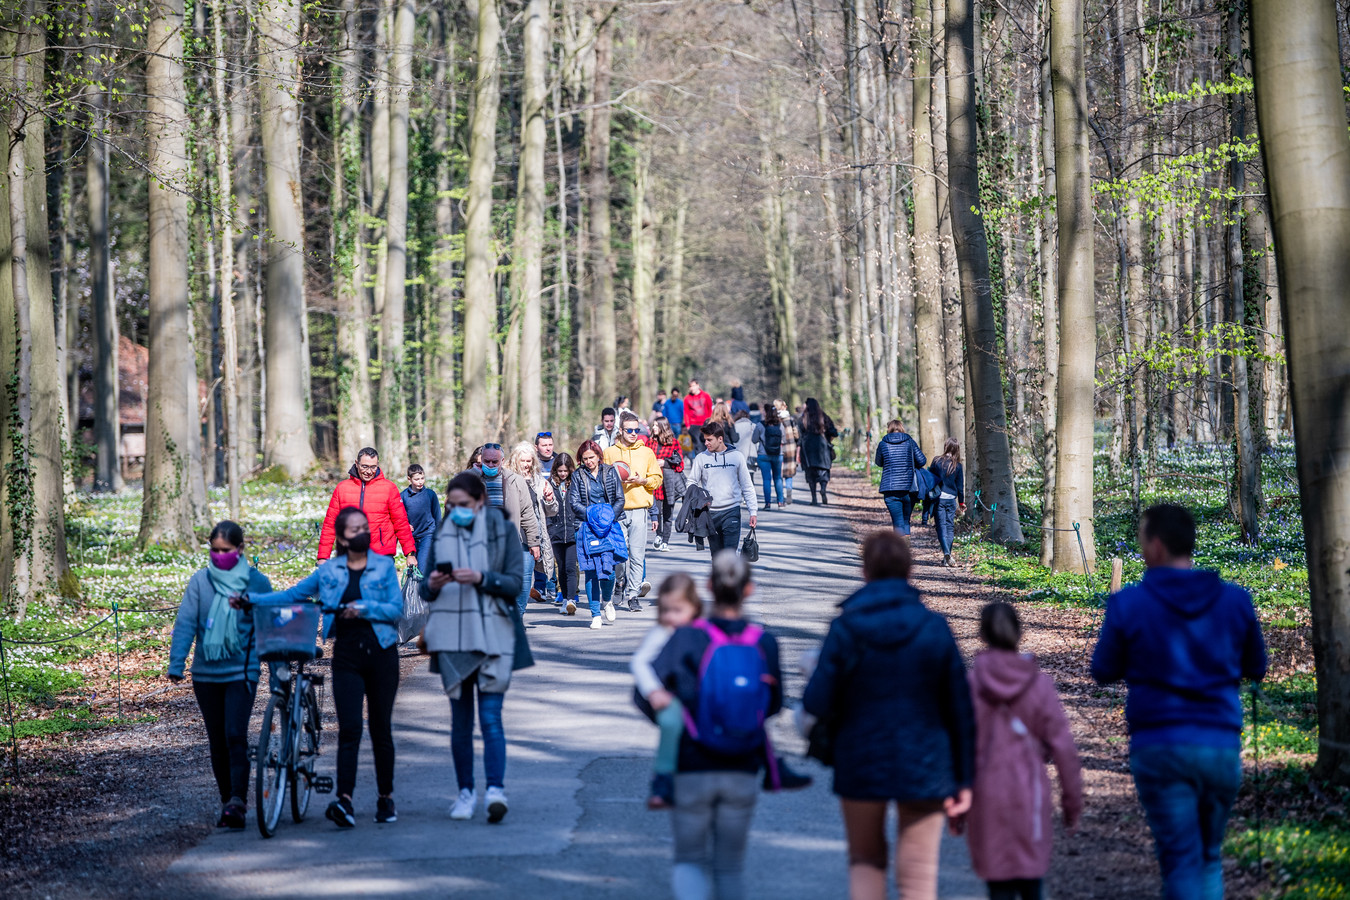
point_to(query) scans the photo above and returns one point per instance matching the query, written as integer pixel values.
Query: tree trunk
(862, 323)
(480, 299)
(286, 442)
(393, 398)
(245, 240)
(953, 341)
(102, 298)
(929, 352)
(643, 237)
(1044, 151)
(442, 421)
(604, 336)
(838, 269)
(527, 278)
(972, 251)
(1131, 237)
(1301, 110)
(228, 326)
(355, 417)
(1077, 312)
(1248, 475)
(172, 428)
(379, 156)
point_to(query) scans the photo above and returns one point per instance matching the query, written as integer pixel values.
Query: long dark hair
(951, 455)
(560, 460)
(770, 414)
(814, 418)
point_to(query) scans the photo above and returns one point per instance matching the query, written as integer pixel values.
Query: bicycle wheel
(273, 753)
(304, 752)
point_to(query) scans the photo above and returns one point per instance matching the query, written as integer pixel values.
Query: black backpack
(773, 440)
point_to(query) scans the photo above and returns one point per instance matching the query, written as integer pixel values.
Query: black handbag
(750, 547)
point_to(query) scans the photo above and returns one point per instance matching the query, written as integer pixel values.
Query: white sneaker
(597, 622)
(496, 805)
(571, 608)
(608, 611)
(644, 589)
(464, 805)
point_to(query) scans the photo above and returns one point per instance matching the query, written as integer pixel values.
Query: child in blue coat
(602, 546)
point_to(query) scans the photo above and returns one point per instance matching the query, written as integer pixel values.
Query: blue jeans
(771, 468)
(461, 734)
(899, 504)
(526, 581)
(1187, 791)
(946, 524)
(598, 590)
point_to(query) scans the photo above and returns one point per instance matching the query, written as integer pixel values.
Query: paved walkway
(578, 767)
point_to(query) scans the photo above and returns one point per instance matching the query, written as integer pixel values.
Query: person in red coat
(368, 490)
(698, 408)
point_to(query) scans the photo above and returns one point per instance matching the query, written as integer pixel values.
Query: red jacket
(697, 408)
(380, 501)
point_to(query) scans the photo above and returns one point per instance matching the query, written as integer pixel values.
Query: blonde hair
(721, 413)
(524, 448)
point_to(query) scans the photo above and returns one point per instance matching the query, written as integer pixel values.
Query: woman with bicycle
(474, 633)
(224, 667)
(361, 600)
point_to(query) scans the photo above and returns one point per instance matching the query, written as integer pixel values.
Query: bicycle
(288, 744)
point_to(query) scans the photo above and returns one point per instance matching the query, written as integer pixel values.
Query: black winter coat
(815, 448)
(562, 528)
(893, 686)
(578, 497)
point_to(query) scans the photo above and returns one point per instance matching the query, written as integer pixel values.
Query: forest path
(579, 760)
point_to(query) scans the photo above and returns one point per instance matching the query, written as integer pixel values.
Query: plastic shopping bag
(415, 610)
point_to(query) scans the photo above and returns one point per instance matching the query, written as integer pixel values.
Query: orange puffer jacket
(379, 499)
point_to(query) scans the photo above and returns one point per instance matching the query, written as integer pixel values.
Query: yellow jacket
(642, 461)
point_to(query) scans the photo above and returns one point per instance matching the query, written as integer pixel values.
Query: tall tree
(929, 353)
(972, 252)
(602, 263)
(355, 416)
(838, 269)
(172, 429)
(443, 425)
(643, 236)
(286, 442)
(527, 281)
(246, 244)
(1043, 148)
(479, 260)
(393, 393)
(1300, 108)
(1077, 319)
(225, 203)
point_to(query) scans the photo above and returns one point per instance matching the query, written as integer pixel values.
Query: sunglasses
(492, 446)
(543, 434)
(630, 431)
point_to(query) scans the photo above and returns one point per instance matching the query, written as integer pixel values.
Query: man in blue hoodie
(1182, 639)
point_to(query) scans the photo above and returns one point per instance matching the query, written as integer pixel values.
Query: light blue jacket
(380, 594)
(190, 627)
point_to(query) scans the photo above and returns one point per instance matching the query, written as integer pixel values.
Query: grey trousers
(639, 526)
(711, 820)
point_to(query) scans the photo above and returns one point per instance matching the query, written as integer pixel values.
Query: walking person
(602, 550)
(674, 411)
(543, 449)
(524, 463)
(742, 434)
(817, 451)
(1019, 723)
(891, 690)
(596, 484)
(790, 446)
(900, 459)
(1182, 640)
(562, 533)
(666, 446)
(768, 438)
(723, 473)
(509, 492)
(639, 491)
(359, 593)
(423, 509)
(608, 431)
(659, 407)
(368, 490)
(698, 407)
(475, 635)
(951, 495)
(225, 669)
(725, 673)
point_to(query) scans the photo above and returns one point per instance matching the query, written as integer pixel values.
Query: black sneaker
(232, 816)
(788, 780)
(662, 792)
(384, 811)
(634, 605)
(340, 812)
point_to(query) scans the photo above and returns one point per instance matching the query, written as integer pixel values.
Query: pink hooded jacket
(1019, 725)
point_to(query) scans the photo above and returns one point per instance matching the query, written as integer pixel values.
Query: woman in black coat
(891, 690)
(817, 432)
(562, 533)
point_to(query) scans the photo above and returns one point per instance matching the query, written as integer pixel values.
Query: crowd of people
(889, 703)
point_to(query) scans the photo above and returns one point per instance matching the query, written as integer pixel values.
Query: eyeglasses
(492, 446)
(543, 434)
(365, 468)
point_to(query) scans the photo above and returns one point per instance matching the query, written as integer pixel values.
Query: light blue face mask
(462, 516)
(491, 471)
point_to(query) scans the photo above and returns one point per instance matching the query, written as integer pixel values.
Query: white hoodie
(726, 477)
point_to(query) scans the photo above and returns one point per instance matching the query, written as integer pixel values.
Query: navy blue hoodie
(1183, 640)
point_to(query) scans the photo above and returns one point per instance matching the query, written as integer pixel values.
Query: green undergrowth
(1293, 829)
(70, 685)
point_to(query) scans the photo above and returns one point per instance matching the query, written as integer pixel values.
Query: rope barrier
(69, 637)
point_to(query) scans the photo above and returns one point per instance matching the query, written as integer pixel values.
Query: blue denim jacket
(380, 594)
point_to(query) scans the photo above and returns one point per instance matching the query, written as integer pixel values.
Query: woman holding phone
(474, 633)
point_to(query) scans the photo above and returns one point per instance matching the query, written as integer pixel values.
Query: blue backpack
(733, 692)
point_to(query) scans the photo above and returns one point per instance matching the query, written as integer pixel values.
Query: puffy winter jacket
(601, 542)
(898, 455)
(379, 499)
(562, 528)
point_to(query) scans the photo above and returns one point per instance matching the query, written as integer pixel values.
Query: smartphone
(445, 568)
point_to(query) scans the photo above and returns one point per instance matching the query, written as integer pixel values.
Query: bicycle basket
(287, 633)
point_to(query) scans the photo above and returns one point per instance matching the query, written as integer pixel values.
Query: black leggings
(566, 557)
(1018, 889)
(226, 707)
(363, 670)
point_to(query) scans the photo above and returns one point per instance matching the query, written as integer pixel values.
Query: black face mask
(360, 543)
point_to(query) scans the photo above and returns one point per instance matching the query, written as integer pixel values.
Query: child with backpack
(1018, 724)
(725, 673)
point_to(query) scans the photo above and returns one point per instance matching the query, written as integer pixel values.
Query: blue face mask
(462, 516)
(491, 471)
